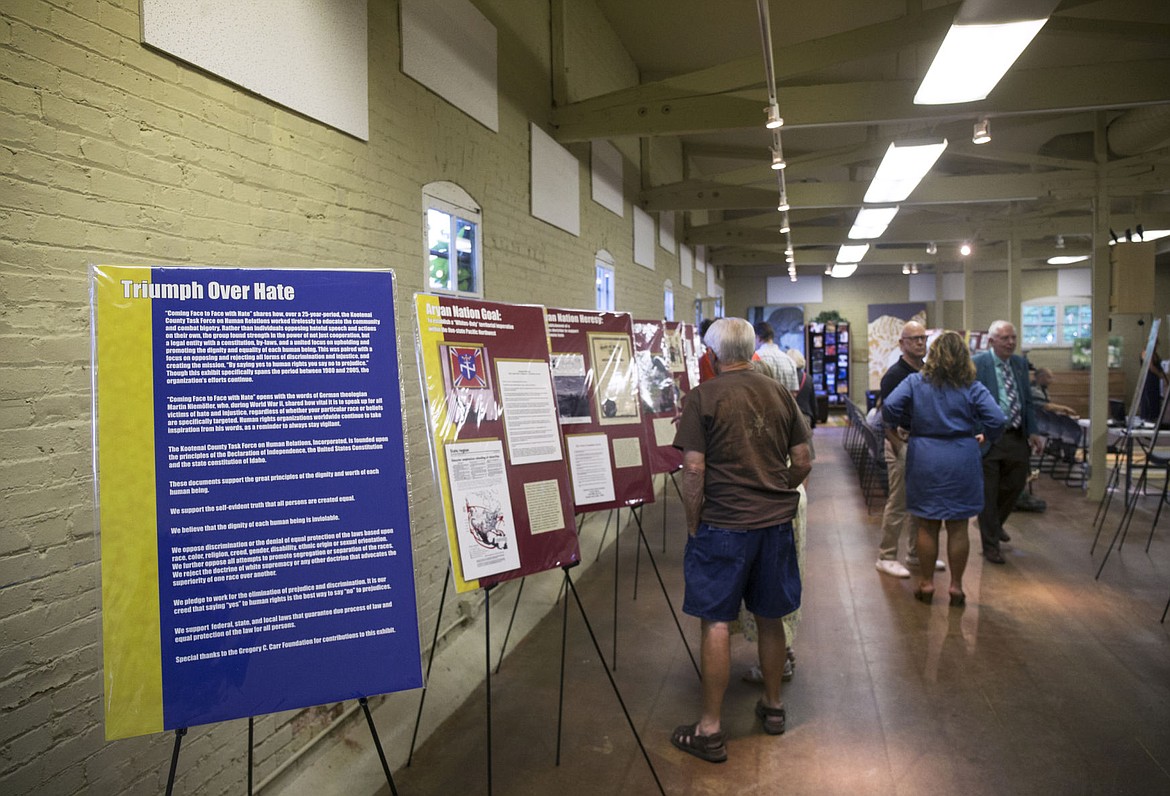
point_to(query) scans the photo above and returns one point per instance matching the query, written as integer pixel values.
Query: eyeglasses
(918, 338)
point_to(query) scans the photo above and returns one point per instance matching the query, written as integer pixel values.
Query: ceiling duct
(1134, 132)
(1140, 130)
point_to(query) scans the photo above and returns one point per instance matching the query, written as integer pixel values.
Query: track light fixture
(1060, 241)
(783, 207)
(905, 268)
(914, 268)
(982, 132)
(774, 119)
(965, 249)
(785, 228)
(932, 248)
(778, 158)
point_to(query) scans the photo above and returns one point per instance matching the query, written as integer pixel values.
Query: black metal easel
(613, 683)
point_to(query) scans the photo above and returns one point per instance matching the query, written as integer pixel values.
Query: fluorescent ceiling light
(1148, 235)
(1067, 259)
(972, 60)
(843, 270)
(902, 168)
(852, 253)
(871, 222)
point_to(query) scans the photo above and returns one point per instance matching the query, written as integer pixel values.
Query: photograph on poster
(616, 378)
(571, 384)
(467, 379)
(672, 349)
(589, 468)
(483, 507)
(530, 424)
(656, 384)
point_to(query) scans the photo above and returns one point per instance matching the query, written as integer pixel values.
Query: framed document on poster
(659, 361)
(606, 441)
(254, 507)
(491, 408)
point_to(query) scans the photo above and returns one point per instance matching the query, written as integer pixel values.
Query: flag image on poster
(254, 522)
(491, 412)
(604, 434)
(467, 368)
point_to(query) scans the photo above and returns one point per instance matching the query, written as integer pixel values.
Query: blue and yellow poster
(253, 499)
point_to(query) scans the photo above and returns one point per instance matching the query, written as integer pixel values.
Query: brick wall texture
(111, 152)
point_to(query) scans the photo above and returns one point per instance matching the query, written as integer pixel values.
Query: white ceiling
(846, 73)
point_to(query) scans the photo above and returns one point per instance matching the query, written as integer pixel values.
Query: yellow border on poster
(131, 647)
(430, 332)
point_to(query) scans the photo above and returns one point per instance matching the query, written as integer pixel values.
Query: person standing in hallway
(782, 367)
(745, 452)
(895, 520)
(948, 414)
(1006, 462)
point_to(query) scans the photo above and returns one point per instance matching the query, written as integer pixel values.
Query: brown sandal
(707, 747)
(774, 718)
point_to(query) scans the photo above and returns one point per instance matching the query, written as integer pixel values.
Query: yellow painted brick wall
(112, 152)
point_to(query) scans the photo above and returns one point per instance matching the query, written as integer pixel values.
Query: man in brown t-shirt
(745, 451)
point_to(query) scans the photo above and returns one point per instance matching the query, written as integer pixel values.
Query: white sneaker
(892, 567)
(940, 565)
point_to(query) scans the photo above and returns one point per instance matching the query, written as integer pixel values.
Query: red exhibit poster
(495, 439)
(595, 377)
(658, 353)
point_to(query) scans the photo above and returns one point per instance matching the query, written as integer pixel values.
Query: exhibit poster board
(495, 438)
(255, 533)
(660, 361)
(596, 384)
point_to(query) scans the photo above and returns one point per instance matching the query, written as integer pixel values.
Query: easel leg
(1103, 505)
(508, 633)
(637, 554)
(487, 661)
(664, 478)
(179, 733)
(613, 682)
(604, 534)
(430, 660)
(564, 646)
(666, 595)
(616, 549)
(378, 745)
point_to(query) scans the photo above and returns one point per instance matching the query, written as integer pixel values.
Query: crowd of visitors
(959, 431)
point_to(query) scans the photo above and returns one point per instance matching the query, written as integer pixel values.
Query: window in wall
(668, 301)
(453, 253)
(1055, 321)
(605, 291)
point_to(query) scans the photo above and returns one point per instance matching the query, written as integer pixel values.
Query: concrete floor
(1047, 682)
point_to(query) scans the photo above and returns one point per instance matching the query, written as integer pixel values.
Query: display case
(828, 360)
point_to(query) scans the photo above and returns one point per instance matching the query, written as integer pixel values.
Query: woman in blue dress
(949, 415)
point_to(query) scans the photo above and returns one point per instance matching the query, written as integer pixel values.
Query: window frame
(604, 272)
(668, 300)
(457, 204)
(1060, 306)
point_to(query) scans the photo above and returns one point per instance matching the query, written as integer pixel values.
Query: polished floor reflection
(1047, 682)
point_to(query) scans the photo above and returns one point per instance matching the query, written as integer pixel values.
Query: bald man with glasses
(895, 520)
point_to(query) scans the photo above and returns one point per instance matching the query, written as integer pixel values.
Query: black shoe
(1003, 537)
(994, 556)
